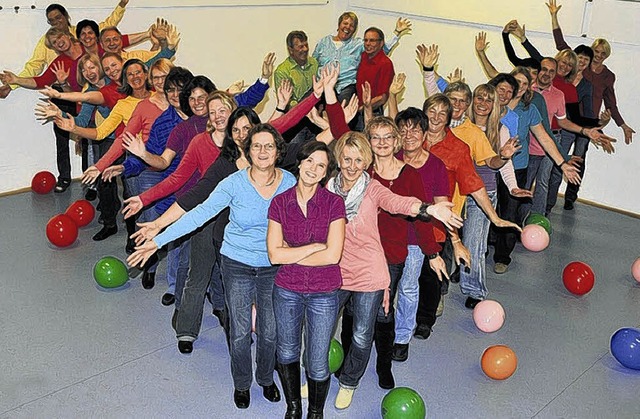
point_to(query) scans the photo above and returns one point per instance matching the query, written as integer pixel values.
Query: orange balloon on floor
(499, 362)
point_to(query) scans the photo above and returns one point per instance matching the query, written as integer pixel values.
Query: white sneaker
(344, 397)
(304, 391)
(440, 308)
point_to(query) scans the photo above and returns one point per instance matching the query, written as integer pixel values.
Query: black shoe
(422, 331)
(383, 340)
(107, 231)
(568, 205)
(471, 302)
(186, 347)
(148, 280)
(130, 247)
(62, 185)
(168, 299)
(455, 276)
(290, 379)
(317, 396)
(271, 393)
(220, 314)
(400, 352)
(241, 398)
(91, 195)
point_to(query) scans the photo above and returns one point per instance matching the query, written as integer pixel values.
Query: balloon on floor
(110, 272)
(403, 403)
(625, 347)
(81, 212)
(499, 362)
(578, 278)
(336, 356)
(61, 230)
(43, 182)
(488, 315)
(635, 270)
(534, 237)
(540, 220)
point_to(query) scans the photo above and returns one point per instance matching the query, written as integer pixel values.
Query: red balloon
(62, 231)
(43, 182)
(578, 278)
(81, 212)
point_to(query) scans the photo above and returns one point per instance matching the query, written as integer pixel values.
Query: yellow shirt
(121, 113)
(481, 150)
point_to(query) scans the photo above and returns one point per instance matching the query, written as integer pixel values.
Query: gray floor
(70, 349)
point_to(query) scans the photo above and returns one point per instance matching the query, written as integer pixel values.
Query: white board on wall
(83, 4)
(533, 13)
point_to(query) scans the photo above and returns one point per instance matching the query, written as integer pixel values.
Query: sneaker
(304, 391)
(440, 308)
(344, 398)
(91, 194)
(62, 185)
(500, 268)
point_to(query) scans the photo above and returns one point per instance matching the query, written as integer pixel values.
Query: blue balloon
(625, 347)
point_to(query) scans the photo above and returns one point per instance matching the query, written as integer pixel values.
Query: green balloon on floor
(403, 402)
(110, 272)
(336, 356)
(540, 220)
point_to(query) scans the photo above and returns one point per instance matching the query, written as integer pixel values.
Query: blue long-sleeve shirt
(86, 118)
(253, 95)
(245, 238)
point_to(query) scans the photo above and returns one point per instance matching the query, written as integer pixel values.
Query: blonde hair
(55, 33)
(573, 59)
(164, 65)
(225, 98)
(356, 140)
(492, 129)
(384, 122)
(95, 60)
(601, 42)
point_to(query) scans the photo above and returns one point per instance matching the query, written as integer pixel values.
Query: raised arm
(428, 58)
(403, 27)
(481, 45)
(255, 93)
(397, 86)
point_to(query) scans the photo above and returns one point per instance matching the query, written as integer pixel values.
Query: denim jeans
(508, 206)
(580, 147)
(476, 231)
(318, 312)
(178, 266)
(243, 286)
(408, 295)
(539, 169)
(363, 306)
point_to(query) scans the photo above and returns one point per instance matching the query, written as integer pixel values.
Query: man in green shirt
(298, 67)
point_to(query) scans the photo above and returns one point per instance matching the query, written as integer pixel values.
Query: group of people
(331, 211)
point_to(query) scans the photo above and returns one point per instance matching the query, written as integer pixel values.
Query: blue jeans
(408, 295)
(363, 306)
(243, 286)
(476, 231)
(177, 266)
(318, 312)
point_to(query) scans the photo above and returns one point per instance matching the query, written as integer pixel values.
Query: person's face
(173, 95)
(112, 68)
(91, 72)
(218, 115)
(460, 104)
(547, 73)
(239, 130)
(583, 62)
(437, 116)
(523, 84)
(346, 29)
(533, 72)
(111, 41)
(198, 102)
(505, 93)
(300, 51)
(157, 79)
(564, 67)
(314, 168)
(263, 150)
(412, 137)
(482, 105)
(88, 37)
(599, 54)
(383, 141)
(352, 164)
(61, 43)
(136, 76)
(57, 20)
(372, 43)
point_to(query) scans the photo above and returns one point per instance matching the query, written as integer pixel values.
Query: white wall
(228, 43)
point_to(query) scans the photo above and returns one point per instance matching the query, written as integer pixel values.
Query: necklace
(269, 182)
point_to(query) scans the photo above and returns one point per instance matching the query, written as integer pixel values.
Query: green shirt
(301, 77)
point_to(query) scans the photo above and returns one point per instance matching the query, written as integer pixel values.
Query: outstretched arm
(481, 45)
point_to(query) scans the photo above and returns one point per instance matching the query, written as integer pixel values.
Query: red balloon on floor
(62, 231)
(578, 278)
(534, 237)
(43, 182)
(81, 212)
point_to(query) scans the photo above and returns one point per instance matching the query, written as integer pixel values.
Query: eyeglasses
(266, 147)
(408, 131)
(173, 90)
(56, 19)
(372, 40)
(158, 78)
(389, 137)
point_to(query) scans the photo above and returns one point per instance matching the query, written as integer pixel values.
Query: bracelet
(562, 164)
(425, 68)
(504, 158)
(582, 131)
(280, 110)
(423, 210)
(433, 256)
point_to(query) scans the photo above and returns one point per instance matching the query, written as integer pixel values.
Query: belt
(556, 131)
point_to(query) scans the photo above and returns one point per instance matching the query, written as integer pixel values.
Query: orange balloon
(499, 362)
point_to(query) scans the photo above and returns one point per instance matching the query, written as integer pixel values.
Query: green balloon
(336, 356)
(540, 220)
(110, 272)
(403, 402)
